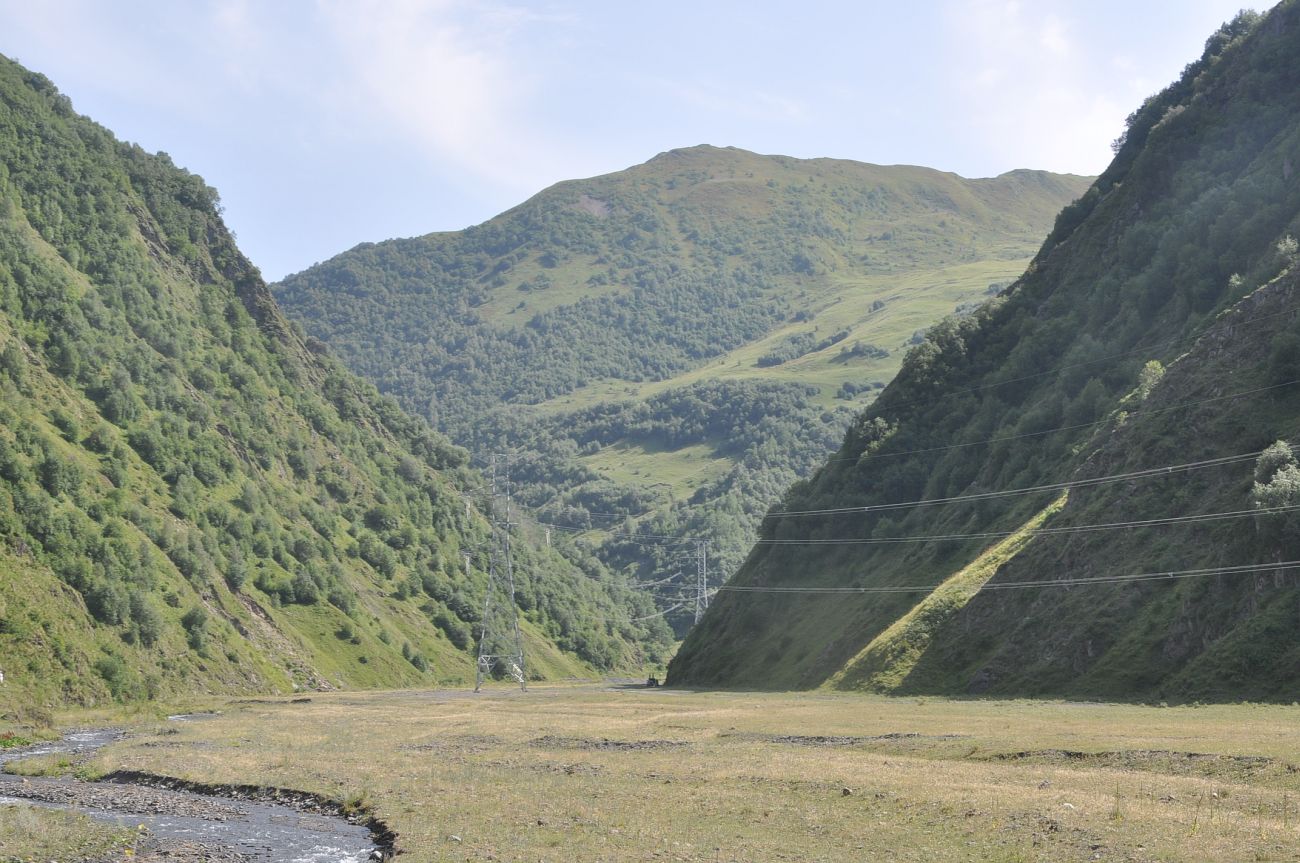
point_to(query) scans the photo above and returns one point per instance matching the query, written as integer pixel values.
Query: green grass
(676, 471)
(884, 664)
(914, 301)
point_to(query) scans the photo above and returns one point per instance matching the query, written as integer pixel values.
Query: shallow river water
(256, 831)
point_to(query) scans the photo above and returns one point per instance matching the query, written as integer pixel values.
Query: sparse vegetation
(597, 774)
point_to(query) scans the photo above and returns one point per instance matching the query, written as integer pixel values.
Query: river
(206, 825)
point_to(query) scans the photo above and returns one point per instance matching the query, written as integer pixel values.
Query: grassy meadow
(912, 301)
(612, 774)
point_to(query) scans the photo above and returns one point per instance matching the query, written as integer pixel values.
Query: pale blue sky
(325, 123)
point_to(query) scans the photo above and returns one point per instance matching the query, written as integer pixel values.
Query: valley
(728, 507)
(664, 349)
(608, 772)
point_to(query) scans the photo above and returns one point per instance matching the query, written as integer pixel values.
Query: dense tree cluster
(772, 433)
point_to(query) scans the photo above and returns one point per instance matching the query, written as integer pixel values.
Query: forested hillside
(1086, 488)
(669, 347)
(192, 497)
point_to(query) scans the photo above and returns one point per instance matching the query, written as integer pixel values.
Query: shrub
(305, 591)
(114, 672)
(148, 621)
(1150, 375)
(195, 623)
(458, 632)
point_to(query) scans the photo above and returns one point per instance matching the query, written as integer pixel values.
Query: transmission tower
(500, 645)
(701, 579)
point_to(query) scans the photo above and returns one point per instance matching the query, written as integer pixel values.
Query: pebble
(119, 798)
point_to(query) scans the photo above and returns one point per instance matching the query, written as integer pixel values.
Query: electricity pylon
(500, 644)
(701, 579)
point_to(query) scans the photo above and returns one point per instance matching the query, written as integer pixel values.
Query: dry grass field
(613, 774)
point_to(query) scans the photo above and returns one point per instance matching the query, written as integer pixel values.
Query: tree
(13, 363)
(148, 622)
(195, 622)
(1277, 485)
(1288, 250)
(1150, 375)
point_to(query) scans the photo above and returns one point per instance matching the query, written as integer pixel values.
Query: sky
(326, 123)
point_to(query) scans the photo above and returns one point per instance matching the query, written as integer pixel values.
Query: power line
(648, 584)
(1243, 569)
(663, 613)
(918, 451)
(1052, 487)
(1012, 492)
(1045, 531)
(572, 529)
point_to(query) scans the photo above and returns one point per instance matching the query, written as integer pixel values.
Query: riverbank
(89, 816)
(607, 773)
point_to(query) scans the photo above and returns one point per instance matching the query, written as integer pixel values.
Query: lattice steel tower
(701, 579)
(500, 645)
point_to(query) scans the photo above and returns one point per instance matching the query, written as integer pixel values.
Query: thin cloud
(1032, 100)
(1054, 37)
(743, 102)
(330, 121)
(97, 44)
(441, 73)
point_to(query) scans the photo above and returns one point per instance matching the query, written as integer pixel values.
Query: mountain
(195, 498)
(1082, 489)
(670, 346)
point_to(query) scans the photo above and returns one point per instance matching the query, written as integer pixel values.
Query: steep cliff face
(1155, 328)
(193, 497)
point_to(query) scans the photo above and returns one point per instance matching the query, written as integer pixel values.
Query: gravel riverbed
(182, 826)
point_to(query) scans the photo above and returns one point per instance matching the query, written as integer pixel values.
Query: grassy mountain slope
(646, 274)
(1182, 254)
(191, 497)
(672, 345)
